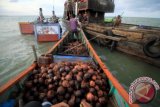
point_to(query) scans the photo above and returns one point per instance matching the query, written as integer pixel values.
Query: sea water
(16, 53)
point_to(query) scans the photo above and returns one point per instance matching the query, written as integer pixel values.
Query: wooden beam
(102, 36)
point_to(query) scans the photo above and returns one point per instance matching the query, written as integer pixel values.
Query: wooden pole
(34, 51)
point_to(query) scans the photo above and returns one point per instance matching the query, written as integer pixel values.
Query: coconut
(62, 78)
(79, 79)
(55, 78)
(67, 69)
(60, 90)
(74, 70)
(97, 87)
(35, 81)
(40, 80)
(84, 67)
(65, 84)
(80, 74)
(99, 82)
(50, 80)
(67, 96)
(100, 93)
(68, 77)
(42, 96)
(77, 85)
(56, 68)
(71, 82)
(50, 71)
(78, 93)
(50, 86)
(51, 65)
(64, 74)
(96, 98)
(46, 82)
(68, 64)
(91, 71)
(90, 97)
(71, 102)
(92, 90)
(98, 104)
(50, 94)
(99, 77)
(61, 70)
(44, 70)
(42, 67)
(92, 83)
(44, 75)
(87, 76)
(102, 100)
(94, 77)
(84, 84)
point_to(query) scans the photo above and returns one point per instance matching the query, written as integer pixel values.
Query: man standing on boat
(117, 21)
(73, 26)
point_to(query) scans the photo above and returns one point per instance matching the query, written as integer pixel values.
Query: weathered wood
(102, 36)
(131, 36)
(96, 30)
(145, 31)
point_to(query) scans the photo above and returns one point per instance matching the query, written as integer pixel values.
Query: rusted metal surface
(97, 5)
(48, 38)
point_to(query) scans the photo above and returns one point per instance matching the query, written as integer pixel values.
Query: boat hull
(117, 92)
(129, 41)
(26, 28)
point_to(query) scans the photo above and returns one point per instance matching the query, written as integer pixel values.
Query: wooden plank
(99, 35)
(131, 36)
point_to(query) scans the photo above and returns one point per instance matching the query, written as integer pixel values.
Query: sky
(127, 8)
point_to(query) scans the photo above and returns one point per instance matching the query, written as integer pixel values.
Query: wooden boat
(44, 31)
(131, 39)
(47, 32)
(118, 96)
(26, 28)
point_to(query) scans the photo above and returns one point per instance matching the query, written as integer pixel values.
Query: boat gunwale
(14, 80)
(22, 74)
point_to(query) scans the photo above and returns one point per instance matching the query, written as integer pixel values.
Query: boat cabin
(94, 10)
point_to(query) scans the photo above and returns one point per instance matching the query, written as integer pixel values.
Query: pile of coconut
(75, 48)
(70, 82)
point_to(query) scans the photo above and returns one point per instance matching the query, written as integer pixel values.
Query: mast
(53, 12)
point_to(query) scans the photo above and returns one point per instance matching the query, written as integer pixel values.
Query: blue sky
(130, 8)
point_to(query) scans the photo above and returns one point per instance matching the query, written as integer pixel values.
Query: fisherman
(117, 21)
(80, 17)
(74, 25)
(85, 17)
